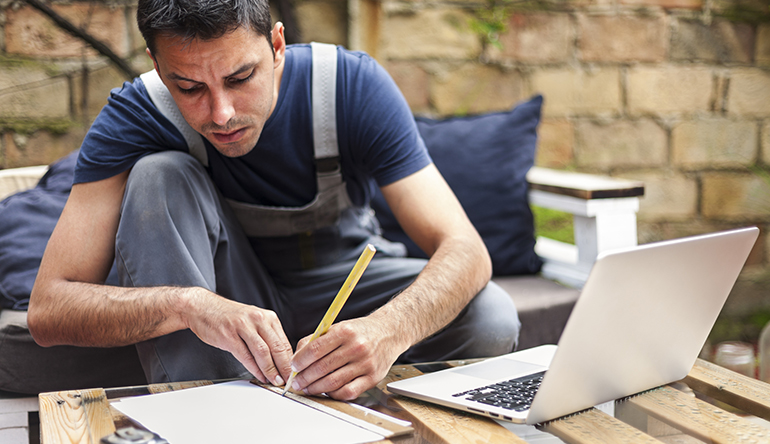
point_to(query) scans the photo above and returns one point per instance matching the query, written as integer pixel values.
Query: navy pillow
(485, 159)
(27, 220)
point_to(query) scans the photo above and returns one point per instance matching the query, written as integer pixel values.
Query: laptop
(640, 322)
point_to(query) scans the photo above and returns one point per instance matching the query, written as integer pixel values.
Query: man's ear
(154, 62)
(279, 43)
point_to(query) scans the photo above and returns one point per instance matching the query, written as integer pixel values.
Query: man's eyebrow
(177, 77)
(241, 70)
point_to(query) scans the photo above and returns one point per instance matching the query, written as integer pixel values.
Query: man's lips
(228, 137)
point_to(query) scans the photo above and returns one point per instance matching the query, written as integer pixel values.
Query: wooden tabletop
(665, 414)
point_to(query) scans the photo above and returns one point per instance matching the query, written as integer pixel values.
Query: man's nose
(222, 109)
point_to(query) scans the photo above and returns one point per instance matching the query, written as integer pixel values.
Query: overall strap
(162, 99)
(324, 90)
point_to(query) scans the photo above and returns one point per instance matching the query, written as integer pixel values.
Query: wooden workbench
(84, 416)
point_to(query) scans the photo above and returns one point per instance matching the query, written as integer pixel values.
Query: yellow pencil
(339, 300)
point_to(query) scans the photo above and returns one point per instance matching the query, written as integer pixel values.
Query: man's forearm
(83, 314)
(456, 272)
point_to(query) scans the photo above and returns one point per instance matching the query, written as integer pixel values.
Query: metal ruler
(355, 414)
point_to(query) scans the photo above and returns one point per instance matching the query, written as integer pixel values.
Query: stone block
(29, 32)
(762, 54)
(714, 143)
(323, 21)
(98, 84)
(765, 137)
(622, 38)
(669, 89)
(536, 37)
(413, 81)
(475, 88)
(721, 42)
(439, 33)
(136, 42)
(667, 196)
(40, 148)
(666, 4)
(141, 62)
(556, 143)
(45, 99)
(659, 230)
(749, 92)
(621, 143)
(570, 91)
(21, 73)
(735, 196)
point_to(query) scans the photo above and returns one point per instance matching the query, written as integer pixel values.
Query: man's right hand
(254, 336)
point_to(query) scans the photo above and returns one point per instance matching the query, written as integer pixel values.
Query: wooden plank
(583, 186)
(172, 386)
(440, 425)
(698, 418)
(594, 426)
(748, 394)
(78, 416)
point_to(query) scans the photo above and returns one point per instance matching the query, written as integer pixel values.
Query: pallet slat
(437, 424)
(594, 427)
(748, 394)
(77, 416)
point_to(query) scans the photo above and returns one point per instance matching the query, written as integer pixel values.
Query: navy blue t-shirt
(377, 136)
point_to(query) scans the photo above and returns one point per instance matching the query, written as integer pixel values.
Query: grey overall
(177, 229)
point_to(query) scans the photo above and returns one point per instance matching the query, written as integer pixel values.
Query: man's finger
(329, 372)
(281, 351)
(244, 356)
(309, 353)
(351, 390)
(264, 358)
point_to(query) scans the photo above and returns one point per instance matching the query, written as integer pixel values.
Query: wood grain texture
(595, 427)
(78, 416)
(437, 424)
(172, 386)
(698, 418)
(748, 394)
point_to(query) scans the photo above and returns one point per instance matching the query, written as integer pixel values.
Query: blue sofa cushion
(485, 159)
(27, 220)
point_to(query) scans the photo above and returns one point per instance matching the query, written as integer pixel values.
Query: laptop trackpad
(498, 369)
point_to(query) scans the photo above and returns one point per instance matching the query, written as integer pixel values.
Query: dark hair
(201, 19)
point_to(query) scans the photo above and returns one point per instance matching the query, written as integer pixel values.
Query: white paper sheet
(238, 412)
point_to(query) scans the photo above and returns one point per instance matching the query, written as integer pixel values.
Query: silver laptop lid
(641, 320)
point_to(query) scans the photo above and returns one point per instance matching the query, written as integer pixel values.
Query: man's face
(225, 88)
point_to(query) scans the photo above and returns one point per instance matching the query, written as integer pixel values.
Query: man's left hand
(352, 357)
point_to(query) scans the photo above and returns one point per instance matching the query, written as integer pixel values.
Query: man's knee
(156, 174)
(167, 183)
(493, 322)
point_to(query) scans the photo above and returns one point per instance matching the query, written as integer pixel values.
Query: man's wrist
(187, 305)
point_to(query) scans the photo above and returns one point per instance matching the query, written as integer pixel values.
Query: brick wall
(666, 91)
(52, 85)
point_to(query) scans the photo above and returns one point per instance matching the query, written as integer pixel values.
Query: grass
(553, 224)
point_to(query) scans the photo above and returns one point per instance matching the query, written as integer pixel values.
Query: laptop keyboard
(514, 394)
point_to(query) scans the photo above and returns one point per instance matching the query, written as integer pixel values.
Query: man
(214, 281)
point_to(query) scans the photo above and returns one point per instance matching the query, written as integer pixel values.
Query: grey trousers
(176, 229)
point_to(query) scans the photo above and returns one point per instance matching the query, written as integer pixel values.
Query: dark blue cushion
(27, 220)
(485, 159)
